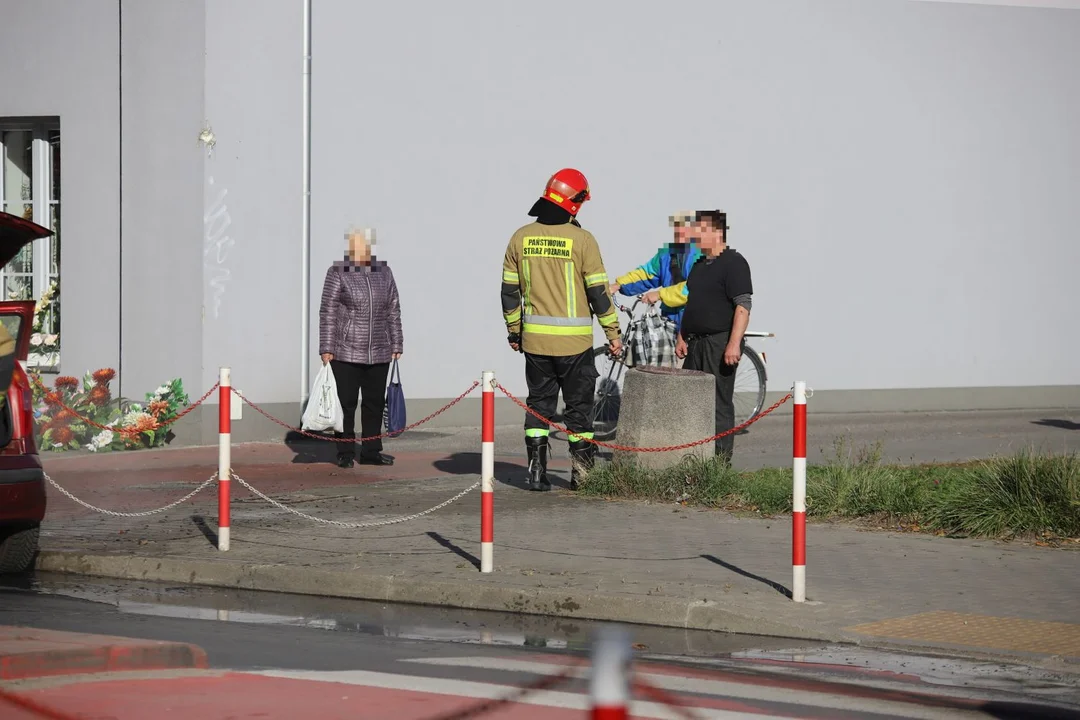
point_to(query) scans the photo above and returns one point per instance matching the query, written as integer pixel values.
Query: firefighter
(553, 282)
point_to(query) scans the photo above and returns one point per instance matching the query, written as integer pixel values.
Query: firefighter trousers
(575, 376)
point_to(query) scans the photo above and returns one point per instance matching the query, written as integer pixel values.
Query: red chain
(316, 436)
(126, 431)
(627, 448)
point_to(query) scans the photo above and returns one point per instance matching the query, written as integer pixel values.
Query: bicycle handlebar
(638, 299)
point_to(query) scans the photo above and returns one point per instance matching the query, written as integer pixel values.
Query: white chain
(356, 526)
(114, 513)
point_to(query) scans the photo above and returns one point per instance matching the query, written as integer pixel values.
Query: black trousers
(366, 383)
(575, 376)
(706, 353)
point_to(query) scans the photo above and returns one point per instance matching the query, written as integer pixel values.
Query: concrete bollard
(661, 407)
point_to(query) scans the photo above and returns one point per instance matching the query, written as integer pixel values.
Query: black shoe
(345, 461)
(379, 459)
(582, 456)
(537, 451)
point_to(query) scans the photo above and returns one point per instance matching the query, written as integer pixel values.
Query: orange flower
(63, 435)
(144, 423)
(64, 417)
(66, 382)
(104, 376)
(53, 399)
(100, 395)
(157, 407)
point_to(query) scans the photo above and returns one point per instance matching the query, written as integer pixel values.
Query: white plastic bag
(323, 410)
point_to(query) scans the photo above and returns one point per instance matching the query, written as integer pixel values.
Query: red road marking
(239, 695)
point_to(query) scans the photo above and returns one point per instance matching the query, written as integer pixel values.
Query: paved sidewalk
(906, 438)
(556, 553)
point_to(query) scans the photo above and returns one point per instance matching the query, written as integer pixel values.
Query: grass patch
(1024, 494)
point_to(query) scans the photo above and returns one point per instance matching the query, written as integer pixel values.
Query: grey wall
(162, 181)
(900, 175)
(75, 75)
(252, 186)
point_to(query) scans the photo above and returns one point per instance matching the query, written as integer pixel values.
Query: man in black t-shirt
(716, 316)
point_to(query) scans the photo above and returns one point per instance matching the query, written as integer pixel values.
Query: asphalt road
(414, 658)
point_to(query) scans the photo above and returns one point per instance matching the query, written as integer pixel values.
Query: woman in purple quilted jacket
(359, 335)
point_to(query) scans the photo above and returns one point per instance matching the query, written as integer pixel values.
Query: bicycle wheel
(608, 397)
(750, 380)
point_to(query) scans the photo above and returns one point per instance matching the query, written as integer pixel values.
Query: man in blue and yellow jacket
(663, 278)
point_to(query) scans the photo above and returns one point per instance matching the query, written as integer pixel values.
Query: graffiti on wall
(216, 246)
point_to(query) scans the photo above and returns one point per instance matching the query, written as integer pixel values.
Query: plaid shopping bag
(652, 340)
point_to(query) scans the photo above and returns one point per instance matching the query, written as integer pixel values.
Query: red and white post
(609, 684)
(224, 473)
(487, 474)
(798, 506)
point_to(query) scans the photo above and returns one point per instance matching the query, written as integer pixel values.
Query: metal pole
(305, 231)
(487, 473)
(798, 500)
(224, 475)
(609, 683)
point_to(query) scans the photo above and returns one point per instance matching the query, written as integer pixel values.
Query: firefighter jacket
(553, 282)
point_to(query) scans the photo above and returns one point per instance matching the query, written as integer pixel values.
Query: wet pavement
(372, 619)
(434, 650)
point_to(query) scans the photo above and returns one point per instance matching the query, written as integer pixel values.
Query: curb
(28, 653)
(566, 603)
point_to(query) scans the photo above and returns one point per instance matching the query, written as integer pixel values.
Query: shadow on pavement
(200, 522)
(455, 549)
(309, 450)
(1057, 423)
(739, 571)
(512, 474)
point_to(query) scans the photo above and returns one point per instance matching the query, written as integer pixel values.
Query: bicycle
(750, 379)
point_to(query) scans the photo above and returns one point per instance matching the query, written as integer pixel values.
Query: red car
(22, 478)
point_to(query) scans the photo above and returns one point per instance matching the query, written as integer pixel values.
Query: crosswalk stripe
(490, 691)
(722, 688)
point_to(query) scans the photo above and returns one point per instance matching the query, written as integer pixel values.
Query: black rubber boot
(537, 450)
(582, 455)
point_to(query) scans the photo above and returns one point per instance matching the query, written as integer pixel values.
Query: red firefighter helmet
(568, 189)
